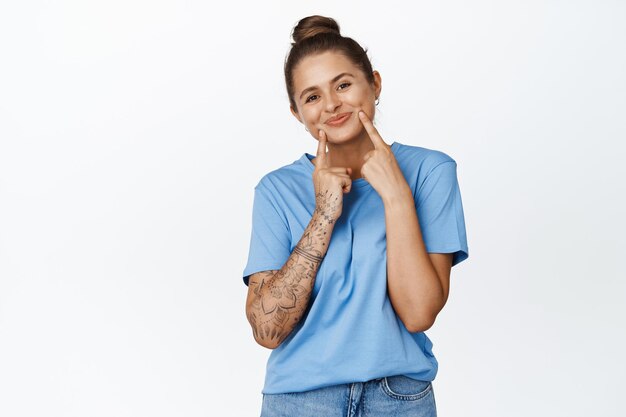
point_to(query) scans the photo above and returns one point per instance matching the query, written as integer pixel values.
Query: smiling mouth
(339, 119)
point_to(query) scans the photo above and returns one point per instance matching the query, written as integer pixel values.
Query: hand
(380, 167)
(330, 183)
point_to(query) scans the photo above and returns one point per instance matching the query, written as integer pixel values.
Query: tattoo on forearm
(281, 297)
(326, 203)
(308, 256)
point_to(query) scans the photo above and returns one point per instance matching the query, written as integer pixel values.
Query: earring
(376, 101)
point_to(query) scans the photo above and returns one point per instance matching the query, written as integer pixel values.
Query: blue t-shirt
(350, 332)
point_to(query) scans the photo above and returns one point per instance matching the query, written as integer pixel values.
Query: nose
(332, 102)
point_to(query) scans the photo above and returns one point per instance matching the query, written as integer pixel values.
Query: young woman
(351, 251)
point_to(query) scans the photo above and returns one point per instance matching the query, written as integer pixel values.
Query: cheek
(370, 109)
(311, 116)
(365, 102)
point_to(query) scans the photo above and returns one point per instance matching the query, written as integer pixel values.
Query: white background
(132, 134)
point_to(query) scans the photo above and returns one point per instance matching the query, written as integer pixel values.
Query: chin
(344, 136)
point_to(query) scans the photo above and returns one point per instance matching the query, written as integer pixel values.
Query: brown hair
(316, 34)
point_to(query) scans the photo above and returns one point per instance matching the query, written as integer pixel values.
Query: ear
(295, 113)
(378, 83)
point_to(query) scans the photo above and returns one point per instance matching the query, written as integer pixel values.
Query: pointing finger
(321, 149)
(377, 140)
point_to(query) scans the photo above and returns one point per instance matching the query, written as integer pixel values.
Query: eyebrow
(306, 90)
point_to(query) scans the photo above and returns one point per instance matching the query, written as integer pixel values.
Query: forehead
(320, 69)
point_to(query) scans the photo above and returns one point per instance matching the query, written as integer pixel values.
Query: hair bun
(314, 25)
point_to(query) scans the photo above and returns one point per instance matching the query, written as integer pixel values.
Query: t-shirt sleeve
(270, 240)
(440, 212)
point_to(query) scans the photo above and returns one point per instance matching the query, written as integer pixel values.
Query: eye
(346, 85)
(310, 98)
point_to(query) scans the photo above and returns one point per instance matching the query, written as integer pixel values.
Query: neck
(350, 154)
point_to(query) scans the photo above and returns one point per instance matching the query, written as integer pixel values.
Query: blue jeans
(395, 396)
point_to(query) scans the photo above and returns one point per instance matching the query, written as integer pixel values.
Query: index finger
(321, 149)
(377, 140)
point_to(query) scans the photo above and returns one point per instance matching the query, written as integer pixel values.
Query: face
(328, 85)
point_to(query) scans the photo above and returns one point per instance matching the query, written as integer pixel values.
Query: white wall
(132, 134)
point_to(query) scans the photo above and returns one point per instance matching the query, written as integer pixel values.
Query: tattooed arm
(278, 299)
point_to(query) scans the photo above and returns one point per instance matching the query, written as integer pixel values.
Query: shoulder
(287, 173)
(287, 176)
(419, 159)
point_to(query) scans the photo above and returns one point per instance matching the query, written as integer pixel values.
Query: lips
(339, 119)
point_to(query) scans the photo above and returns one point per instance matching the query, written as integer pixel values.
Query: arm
(418, 282)
(278, 299)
